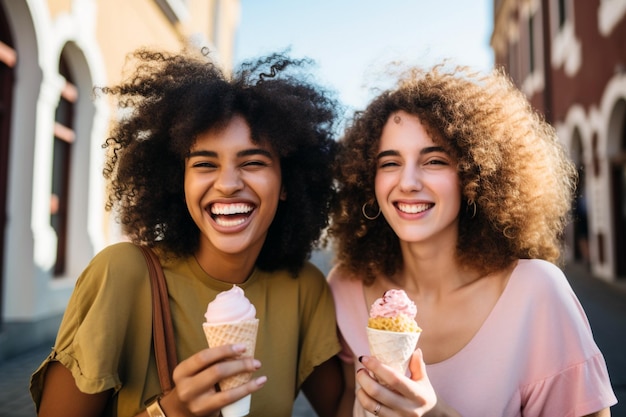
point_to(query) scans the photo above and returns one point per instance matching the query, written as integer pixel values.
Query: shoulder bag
(162, 327)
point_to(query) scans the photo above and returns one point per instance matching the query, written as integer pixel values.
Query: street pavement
(604, 303)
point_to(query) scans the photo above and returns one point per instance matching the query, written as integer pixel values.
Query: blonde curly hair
(517, 182)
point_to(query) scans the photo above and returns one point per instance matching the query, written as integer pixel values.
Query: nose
(228, 181)
(410, 179)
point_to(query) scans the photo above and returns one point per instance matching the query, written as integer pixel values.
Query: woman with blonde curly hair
(454, 189)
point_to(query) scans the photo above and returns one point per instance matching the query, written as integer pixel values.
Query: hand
(196, 378)
(397, 394)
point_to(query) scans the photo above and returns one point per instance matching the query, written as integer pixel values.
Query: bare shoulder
(340, 273)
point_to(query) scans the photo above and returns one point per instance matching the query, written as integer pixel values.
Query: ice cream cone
(241, 332)
(392, 348)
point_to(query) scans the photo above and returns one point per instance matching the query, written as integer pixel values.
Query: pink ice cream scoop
(393, 303)
(394, 311)
(230, 306)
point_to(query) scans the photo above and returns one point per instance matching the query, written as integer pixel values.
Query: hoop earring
(363, 210)
(472, 204)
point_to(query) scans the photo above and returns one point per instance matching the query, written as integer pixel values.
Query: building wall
(94, 38)
(580, 86)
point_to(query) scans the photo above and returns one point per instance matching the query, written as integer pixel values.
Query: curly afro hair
(516, 180)
(169, 99)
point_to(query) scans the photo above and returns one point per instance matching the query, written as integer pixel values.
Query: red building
(569, 58)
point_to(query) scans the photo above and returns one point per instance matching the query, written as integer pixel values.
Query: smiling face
(417, 185)
(232, 189)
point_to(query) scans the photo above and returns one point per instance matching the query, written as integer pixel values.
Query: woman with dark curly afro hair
(453, 189)
(229, 181)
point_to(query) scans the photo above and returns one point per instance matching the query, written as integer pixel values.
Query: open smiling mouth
(413, 208)
(230, 215)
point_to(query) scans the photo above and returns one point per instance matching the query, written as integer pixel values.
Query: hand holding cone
(243, 332)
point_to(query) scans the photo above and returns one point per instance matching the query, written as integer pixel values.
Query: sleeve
(579, 390)
(319, 341)
(570, 377)
(104, 319)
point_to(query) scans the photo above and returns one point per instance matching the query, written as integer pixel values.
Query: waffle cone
(392, 348)
(242, 332)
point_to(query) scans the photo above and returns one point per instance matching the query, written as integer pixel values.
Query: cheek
(187, 187)
(378, 187)
(193, 187)
(452, 189)
(270, 185)
(382, 185)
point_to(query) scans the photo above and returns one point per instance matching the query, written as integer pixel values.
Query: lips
(413, 208)
(230, 214)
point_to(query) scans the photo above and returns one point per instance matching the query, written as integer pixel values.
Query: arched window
(64, 137)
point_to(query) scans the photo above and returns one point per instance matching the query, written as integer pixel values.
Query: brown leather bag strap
(162, 327)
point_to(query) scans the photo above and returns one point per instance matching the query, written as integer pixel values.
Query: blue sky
(353, 41)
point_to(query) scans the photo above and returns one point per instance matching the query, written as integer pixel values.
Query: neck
(432, 270)
(226, 267)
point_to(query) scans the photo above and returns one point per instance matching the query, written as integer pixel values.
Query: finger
(206, 358)
(209, 402)
(210, 377)
(369, 403)
(387, 385)
(371, 388)
(229, 368)
(200, 392)
(417, 365)
(384, 374)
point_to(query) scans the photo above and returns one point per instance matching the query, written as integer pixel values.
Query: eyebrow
(429, 149)
(245, 152)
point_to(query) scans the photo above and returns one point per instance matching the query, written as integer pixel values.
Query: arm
(347, 399)
(62, 398)
(602, 413)
(195, 394)
(324, 387)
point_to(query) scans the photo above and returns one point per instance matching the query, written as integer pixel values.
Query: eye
(255, 163)
(437, 161)
(388, 164)
(203, 164)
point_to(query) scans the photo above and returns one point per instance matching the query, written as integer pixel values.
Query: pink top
(533, 356)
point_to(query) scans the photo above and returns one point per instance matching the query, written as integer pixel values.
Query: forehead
(402, 127)
(232, 134)
(408, 125)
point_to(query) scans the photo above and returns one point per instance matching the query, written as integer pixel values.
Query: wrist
(441, 409)
(154, 408)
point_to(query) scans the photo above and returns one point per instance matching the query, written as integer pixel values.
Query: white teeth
(229, 209)
(413, 208)
(228, 223)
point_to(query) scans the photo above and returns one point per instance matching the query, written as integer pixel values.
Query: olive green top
(105, 336)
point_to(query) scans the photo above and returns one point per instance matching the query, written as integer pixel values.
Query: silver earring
(368, 217)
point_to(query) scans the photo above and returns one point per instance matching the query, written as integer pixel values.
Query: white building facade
(52, 55)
